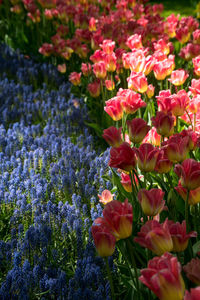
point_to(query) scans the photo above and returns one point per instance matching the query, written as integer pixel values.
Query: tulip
(151, 201)
(86, 69)
(136, 60)
(149, 64)
(119, 217)
(108, 46)
(62, 68)
(164, 68)
(122, 157)
(152, 137)
(99, 70)
(75, 78)
(126, 182)
(103, 239)
(94, 89)
(194, 195)
(178, 77)
(162, 45)
(194, 105)
(163, 277)
(196, 63)
(164, 101)
(134, 42)
(189, 173)
(147, 157)
(137, 82)
(192, 270)
(110, 62)
(112, 135)
(137, 130)
(150, 91)
(114, 108)
(179, 103)
(179, 236)
(98, 56)
(163, 165)
(193, 295)
(195, 87)
(196, 36)
(110, 85)
(176, 148)
(131, 101)
(155, 237)
(183, 34)
(164, 123)
(106, 197)
(192, 138)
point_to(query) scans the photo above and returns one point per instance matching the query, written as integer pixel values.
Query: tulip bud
(137, 130)
(151, 201)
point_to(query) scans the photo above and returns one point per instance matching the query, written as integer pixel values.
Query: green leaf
(196, 248)
(96, 127)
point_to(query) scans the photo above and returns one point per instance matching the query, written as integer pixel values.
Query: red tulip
(189, 173)
(112, 135)
(147, 156)
(118, 217)
(155, 237)
(114, 108)
(163, 277)
(193, 295)
(151, 201)
(130, 101)
(192, 270)
(122, 157)
(103, 239)
(164, 123)
(137, 130)
(179, 236)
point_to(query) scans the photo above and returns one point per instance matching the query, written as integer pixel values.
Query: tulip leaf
(97, 128)
(196, 248)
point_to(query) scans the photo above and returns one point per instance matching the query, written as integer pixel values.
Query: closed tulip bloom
(137, 82)
(75, 78)
(194, 105)
(192, 270)
(164, 123)
(193, 295)
(110, 62)
(183, 34)
(150, 91)
(131, 101)
(99, 70)
(126, 182)
(110, 85)
(164, 101)
(155, 237)
(134, 42)
(137, 130)
(147, 156)
(122, 157)
(104, 240)
(176, 148)
(178, 77)
(189, 173)
(151, 201)
(112, 135)
(179, 103)
(162, 45)
(119, 217)
(194, 195)
(192, 138)
(163, 277)
(114, 108)
(94, 89)
(179, 235)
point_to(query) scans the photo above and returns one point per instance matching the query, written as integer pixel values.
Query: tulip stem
(195, 217)
(176, 124)
(110, 278)
(126, 260)
(135, 267)
(124, 117)
(186, 210)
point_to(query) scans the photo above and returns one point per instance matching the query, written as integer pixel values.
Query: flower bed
(138, 75)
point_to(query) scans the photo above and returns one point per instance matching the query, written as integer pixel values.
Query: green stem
(195, 217)
(124, 117)
(186, 210)
(110, 278)
(134, 266)
(177, 124)
(126, 260)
